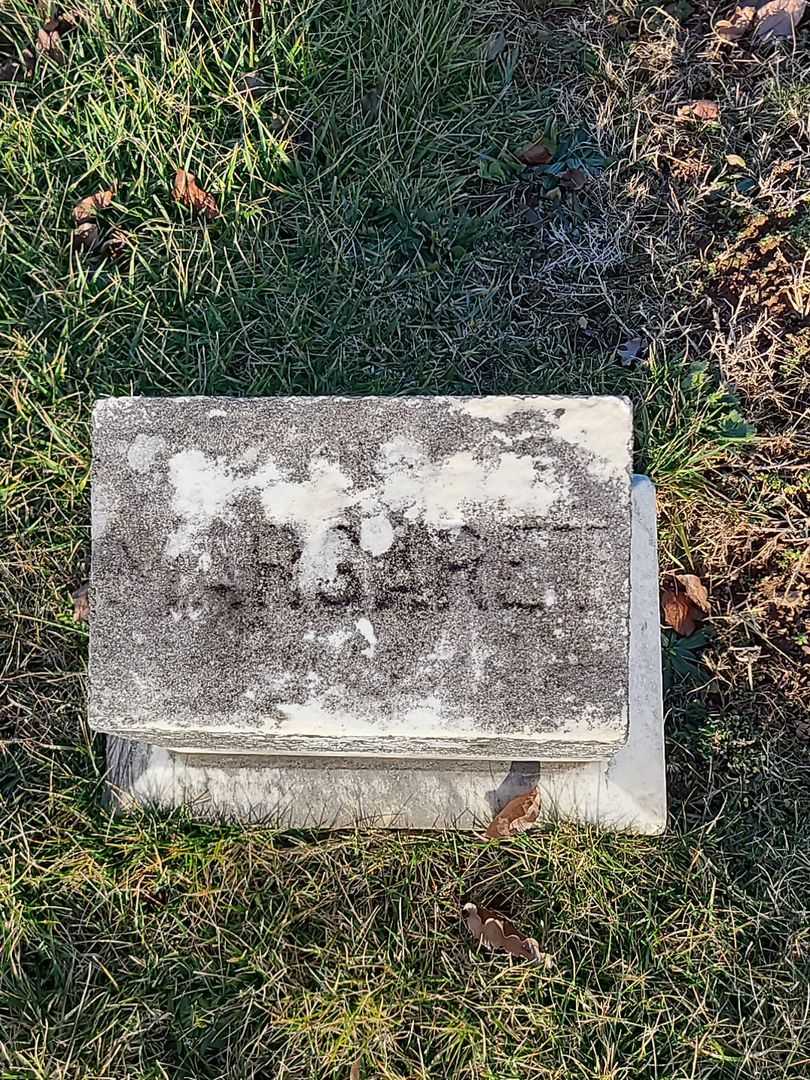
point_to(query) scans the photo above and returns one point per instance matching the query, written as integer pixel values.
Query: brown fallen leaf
(494, 931)
(685, 603)
(12, 70)
(536, 154)
(701, 109)
(517, 816)
(87, 208)
(114, 245)
(734, 29)
(85, 237)
(354, 1072)
(678, 612)
(573, 179)
(49, 38)
(779, 19)
(81, 603)
(695, 590)
(187, 191)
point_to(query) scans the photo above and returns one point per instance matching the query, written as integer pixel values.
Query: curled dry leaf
(48, 43)
(49, 38)
(678, 612)
(695, 590)
(700, 109)
(85, 237)
(12, 70)
(114, 245)
(779, 19)
(573, 179)
(81, 603)
(685, 604)
(517, 816)
(86, 209)
(764, 19)
(493, 931)
(187, 191)
(536, 154)
(733, 29)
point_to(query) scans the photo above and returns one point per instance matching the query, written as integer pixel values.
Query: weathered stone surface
(627, 791)
(385, 576)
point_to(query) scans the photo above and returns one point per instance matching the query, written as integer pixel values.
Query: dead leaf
(700, 109)
(81, 603)
(495, 46)
(49, 41)
(49, 37)
(114, 246)
(85, 237)
(779, 19)
(678, 612)
(733, 29)
(253, 86)
(517, 816)
(695, 590)
(12, 71)
(536, 154)
(573, 179)
(86, 209)
(256, 20)
(736, 161)
(768, 19)
(187, 191)
(18, 70)
(630, 351)
(495, 932)
(354, 1072)
(685, 603)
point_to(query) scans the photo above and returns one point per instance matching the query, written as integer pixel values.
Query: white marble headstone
(423, 577)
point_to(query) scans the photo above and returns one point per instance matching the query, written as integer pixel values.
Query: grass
(376, 237)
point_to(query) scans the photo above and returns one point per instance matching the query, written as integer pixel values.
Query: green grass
(374, 238)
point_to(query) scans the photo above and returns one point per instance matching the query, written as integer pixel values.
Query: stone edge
(208, 738)
(627, 793)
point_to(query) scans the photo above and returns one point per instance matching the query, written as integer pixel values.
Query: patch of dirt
(762, 269)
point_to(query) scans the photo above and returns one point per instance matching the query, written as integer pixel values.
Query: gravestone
(372, 594)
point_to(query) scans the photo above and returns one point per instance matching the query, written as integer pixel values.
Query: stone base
(628, 791)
